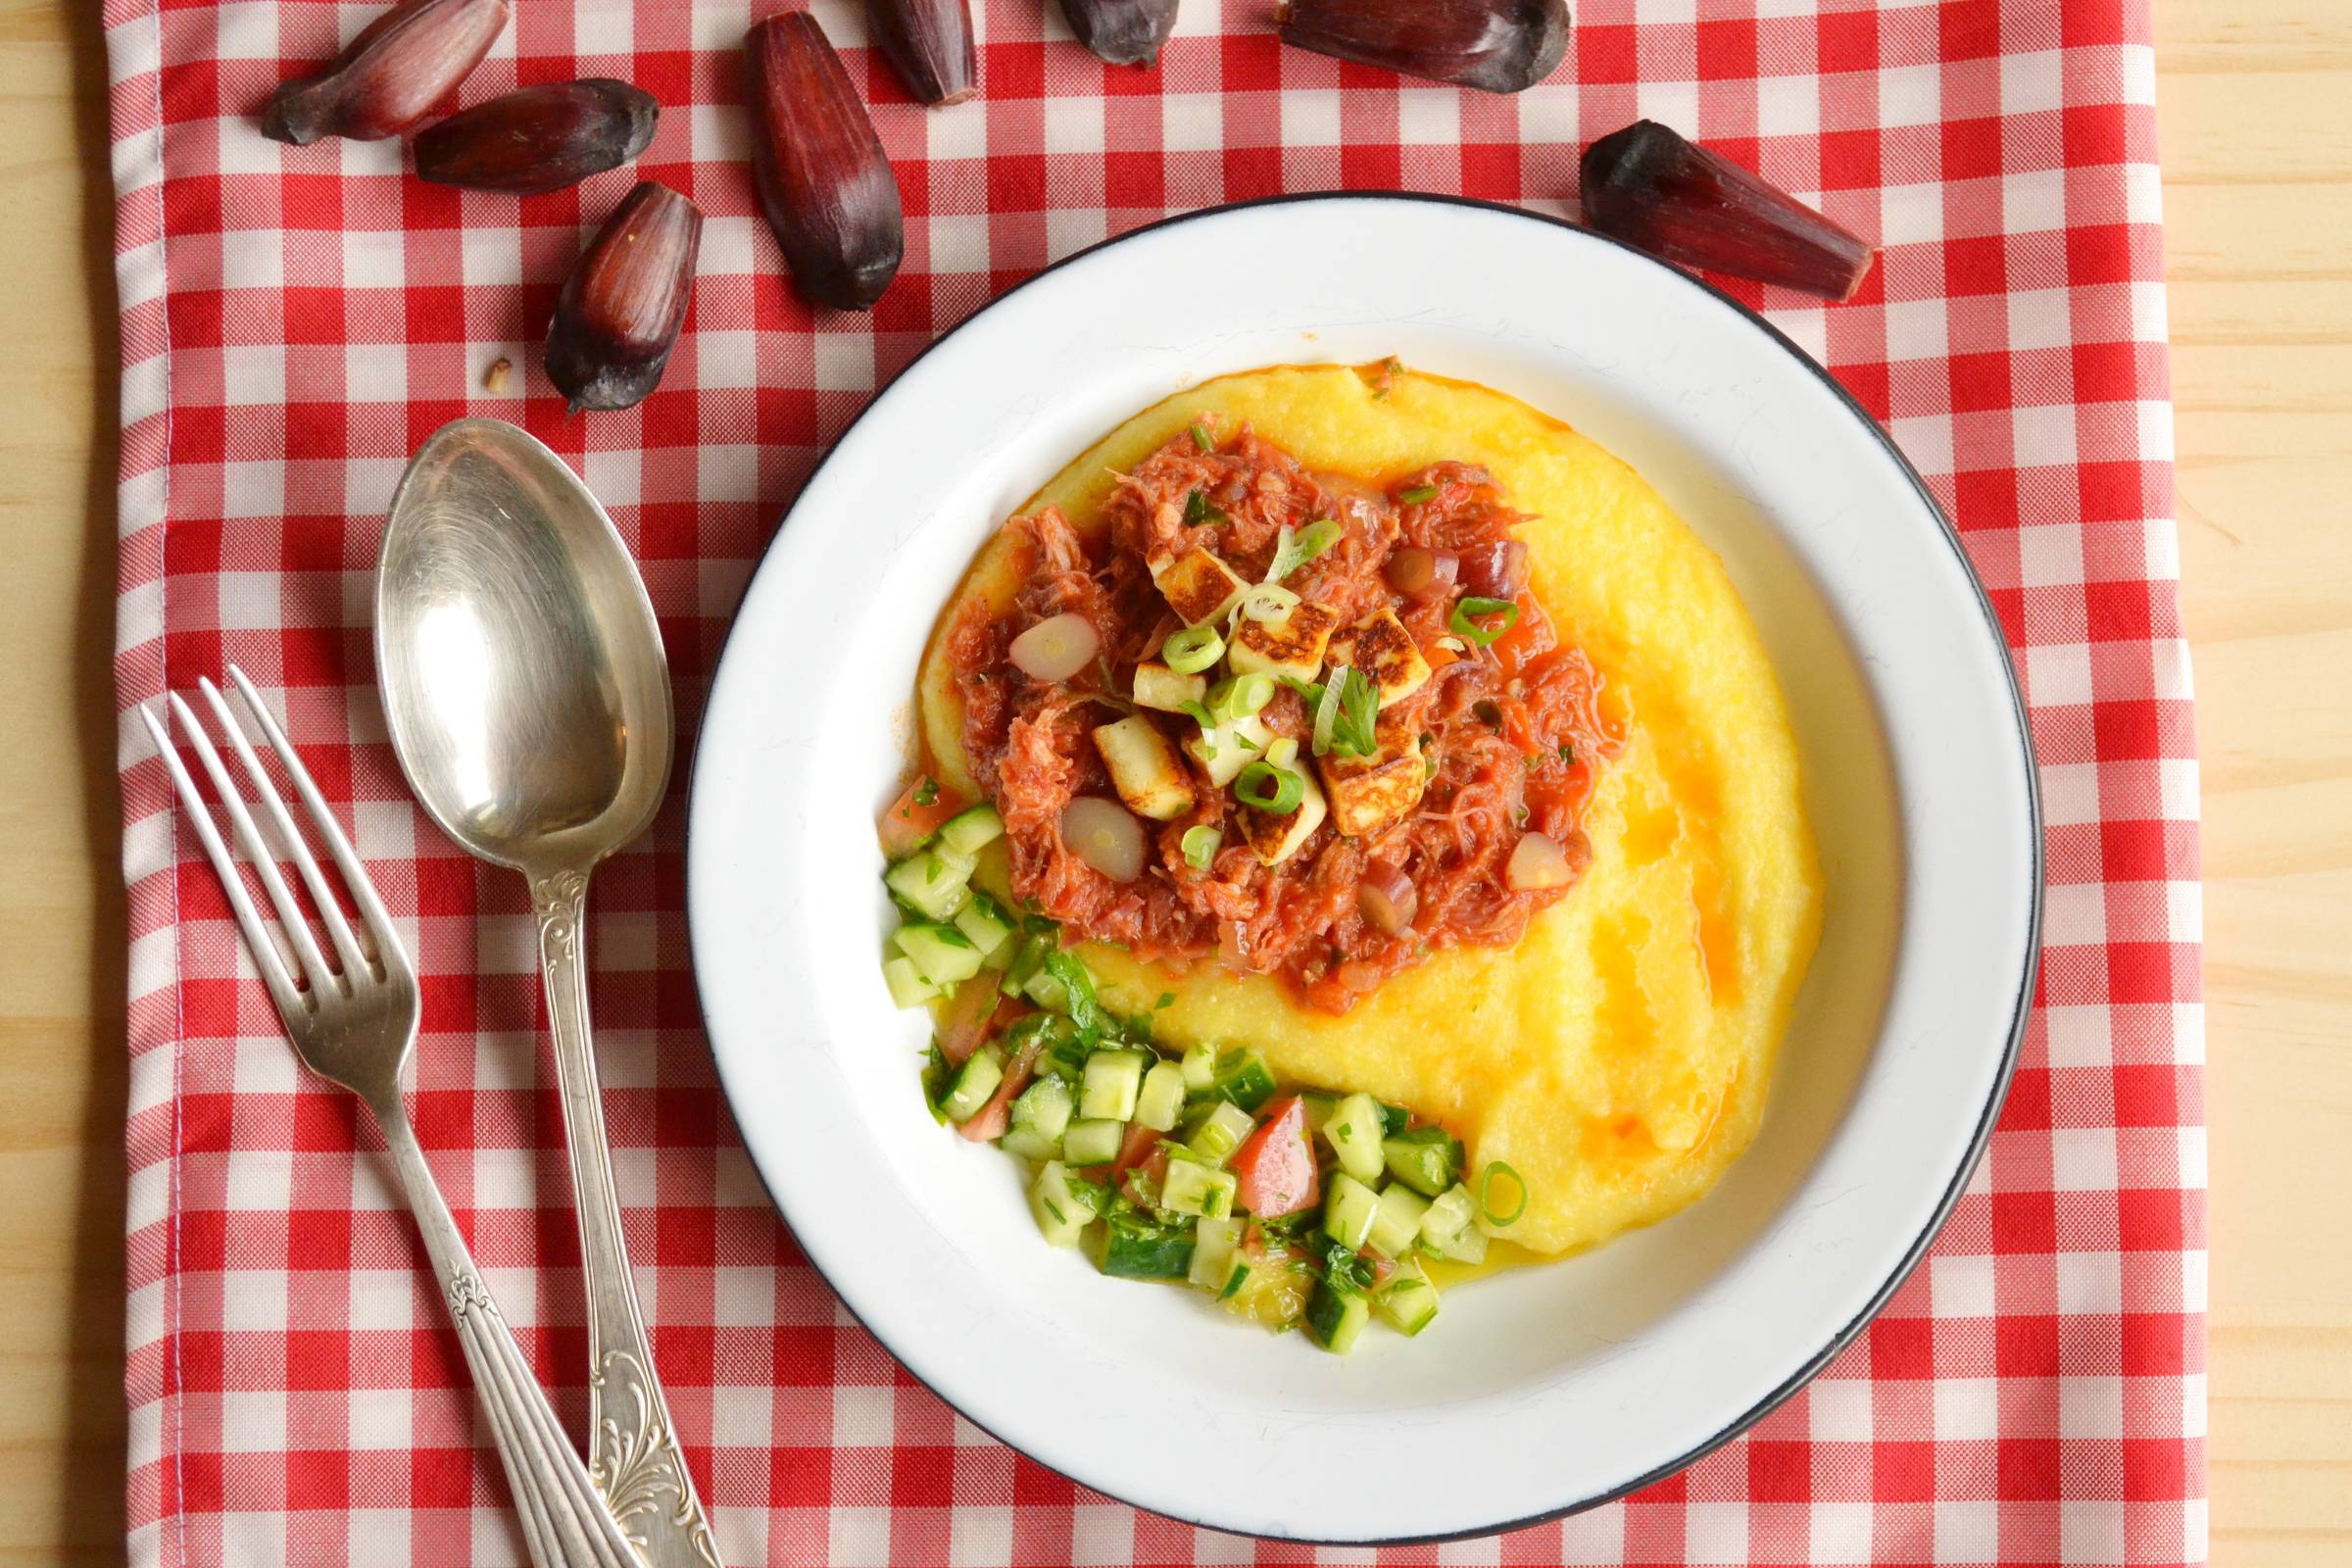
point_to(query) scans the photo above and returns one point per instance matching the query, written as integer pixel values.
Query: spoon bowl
(528, 700)
(524, 677)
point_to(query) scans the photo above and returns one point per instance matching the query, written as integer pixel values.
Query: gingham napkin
(296, 320)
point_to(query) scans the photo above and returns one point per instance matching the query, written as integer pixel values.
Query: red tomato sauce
(1511, 732)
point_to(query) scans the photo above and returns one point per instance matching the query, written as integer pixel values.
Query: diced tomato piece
(909, 820)
(1276, 1165)
(1141, 1143)
(971, 1018)
(992, 1121)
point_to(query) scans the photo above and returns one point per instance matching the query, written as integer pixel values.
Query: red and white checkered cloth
(296, 320)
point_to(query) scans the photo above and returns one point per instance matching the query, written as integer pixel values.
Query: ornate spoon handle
(633, 1452)
(565, 1523)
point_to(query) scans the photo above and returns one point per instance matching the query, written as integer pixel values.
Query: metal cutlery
(352, 1022)
(528, 702)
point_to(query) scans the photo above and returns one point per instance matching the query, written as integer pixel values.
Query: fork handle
(633, 1452)
(565, 1521)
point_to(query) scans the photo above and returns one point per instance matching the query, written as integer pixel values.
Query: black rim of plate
(2021, 1006)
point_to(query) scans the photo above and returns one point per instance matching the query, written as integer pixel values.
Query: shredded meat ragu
(1514, 730)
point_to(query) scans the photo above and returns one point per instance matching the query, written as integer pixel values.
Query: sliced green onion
(1418, 494)
(1199, 510)
(1203, 439)
(1327, 710)
(1273, 790)
(1471, 605)
(1193, 650)
(1201, 845)
(1198, 714)
(1356, 730)
(1268, 602)
(1295, 549)
(1485, 1184)
(1240, 696)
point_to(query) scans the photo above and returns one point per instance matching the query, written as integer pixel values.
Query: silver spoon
(528, 700)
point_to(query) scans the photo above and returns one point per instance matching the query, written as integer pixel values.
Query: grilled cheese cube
(1226, 749)
(1370, 792)
(1198, 586)
(1379, 646)
(1144, 768)
(1158, 686)
(1277, 838)
(1291, 647)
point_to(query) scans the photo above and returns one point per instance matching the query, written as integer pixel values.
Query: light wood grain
(2255, 119)
(2256, 122)
(61, 901)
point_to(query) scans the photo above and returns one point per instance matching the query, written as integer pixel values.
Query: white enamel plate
(1541, 1390)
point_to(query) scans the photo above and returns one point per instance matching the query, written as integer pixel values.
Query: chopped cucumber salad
(1291, 1208)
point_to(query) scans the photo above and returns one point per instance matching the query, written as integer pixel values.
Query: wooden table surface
(2256, 115)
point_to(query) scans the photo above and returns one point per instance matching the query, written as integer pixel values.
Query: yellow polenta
(1617, 1058)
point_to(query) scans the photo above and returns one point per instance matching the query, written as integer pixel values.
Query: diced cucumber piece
(1192, 1188)
(1044, 1109)
(1160, 1100)
(1028, 1143)
(934, 884)
(908, 987)
(1243, 1077)
(942, 954)
(1449, 1215)
(990, 929)
(1450, 1228)
(1112, 1082)
(1199, 1067)
(1468, 1248)
(1222, 1133)
(1398, 1225)
(1234, 1278)
(1047, 991)
(1337, 1318)
(967, 830)
(1319, 1107)
(1061, 1210)
(1213, 1245)
(1093, 1143)
(1138, 1249)
(975, 1081)
(1410, 1301)
(1394, 1119)
(1028, 957)
(1353, 1132)
(1349, 1210)
(1428, 1160)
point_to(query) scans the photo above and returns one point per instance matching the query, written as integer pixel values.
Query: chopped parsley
(927, 792)
(1200, 512)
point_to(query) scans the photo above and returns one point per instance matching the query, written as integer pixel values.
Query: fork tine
(355, 875)
(266, 957)
(265, 864)
(331, 913)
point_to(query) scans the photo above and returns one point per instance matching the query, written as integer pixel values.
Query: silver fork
(352, 1023)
